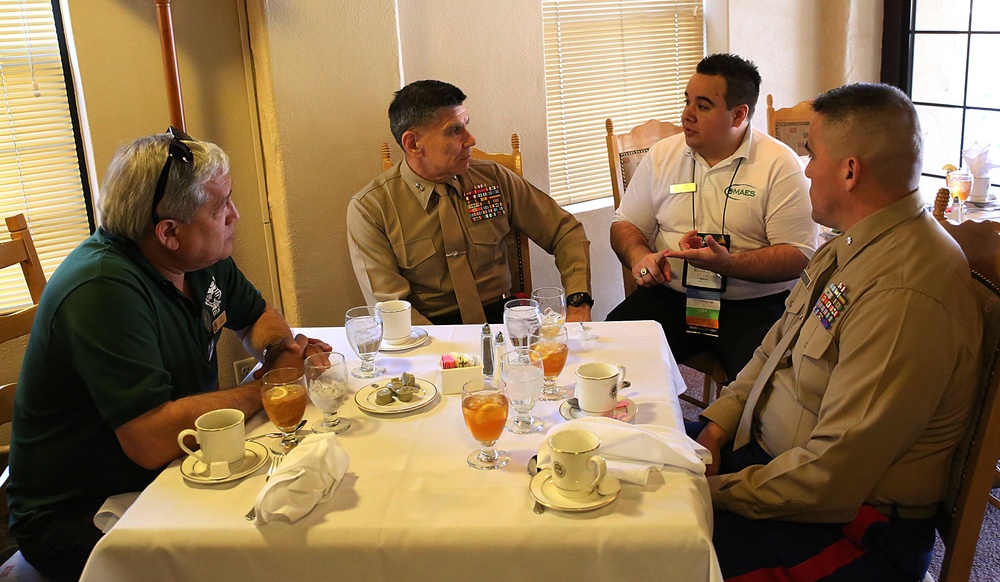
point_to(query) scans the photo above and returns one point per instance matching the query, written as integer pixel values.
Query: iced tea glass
(960, 185)
(485, 406)
(326, 382)
(283, 391)
(551, 343)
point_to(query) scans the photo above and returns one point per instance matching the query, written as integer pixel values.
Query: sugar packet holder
(456, 369)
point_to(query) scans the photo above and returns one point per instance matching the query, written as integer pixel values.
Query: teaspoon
(275, 435)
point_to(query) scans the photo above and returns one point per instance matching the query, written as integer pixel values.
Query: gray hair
(126, 197)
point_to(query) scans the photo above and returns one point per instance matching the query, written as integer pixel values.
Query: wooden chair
(518, 255)
(790, 124)
(975, 464)
(625, 151)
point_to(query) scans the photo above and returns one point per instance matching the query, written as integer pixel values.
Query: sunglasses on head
(177, 150)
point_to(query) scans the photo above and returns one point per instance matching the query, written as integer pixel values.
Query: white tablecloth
(410, 508)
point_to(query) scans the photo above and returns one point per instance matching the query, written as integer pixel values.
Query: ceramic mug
(220, 434)
(980, 189)
(577, 468)
(396, 320)
(597, 385)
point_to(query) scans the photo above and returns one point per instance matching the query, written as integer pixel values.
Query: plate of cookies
(396, 395)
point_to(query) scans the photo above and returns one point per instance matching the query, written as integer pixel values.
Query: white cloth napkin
(113, 509)
(633, 451)
(308, 476)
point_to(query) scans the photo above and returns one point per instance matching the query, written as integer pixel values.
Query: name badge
(703, 278)
(701, 313)
(682, 188)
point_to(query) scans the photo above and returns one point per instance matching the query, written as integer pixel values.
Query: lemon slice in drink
(277, 393)
(948, 168)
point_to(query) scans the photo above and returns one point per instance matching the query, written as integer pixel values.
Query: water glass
(521, 370)
(364, 333)
(326, 382)
(551, 304)
(519, 316)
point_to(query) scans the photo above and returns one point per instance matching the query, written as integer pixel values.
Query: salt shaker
(498, 351)
(487, 351)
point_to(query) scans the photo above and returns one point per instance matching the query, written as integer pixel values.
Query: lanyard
(725, 205)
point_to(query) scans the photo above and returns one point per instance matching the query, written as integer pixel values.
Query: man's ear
(166, 234)
(852, 173)
(411, 143)
(740, 114)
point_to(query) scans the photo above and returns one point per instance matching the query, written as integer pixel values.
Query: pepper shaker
(487, 351)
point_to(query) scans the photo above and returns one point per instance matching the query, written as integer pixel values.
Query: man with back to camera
(836, 440)
(122, 355)
(431, 228)
(714, 224)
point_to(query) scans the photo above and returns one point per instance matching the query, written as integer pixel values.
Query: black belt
(907, 511)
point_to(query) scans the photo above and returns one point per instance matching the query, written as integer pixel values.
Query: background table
(410, 508)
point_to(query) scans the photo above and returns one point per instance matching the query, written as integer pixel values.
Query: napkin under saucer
(633, 451)
(308, 476)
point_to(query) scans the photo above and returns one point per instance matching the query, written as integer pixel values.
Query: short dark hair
(879, 124)
(416, 105)
(741, 75)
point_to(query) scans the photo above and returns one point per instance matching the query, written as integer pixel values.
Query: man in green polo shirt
(122, 355)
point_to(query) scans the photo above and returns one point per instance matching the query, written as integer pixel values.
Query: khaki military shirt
(871, 409)
(397, 248)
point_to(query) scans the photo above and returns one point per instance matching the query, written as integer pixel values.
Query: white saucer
(365, 398)
(544, 491)
(253, 457)
(418, 337)
(627, 415)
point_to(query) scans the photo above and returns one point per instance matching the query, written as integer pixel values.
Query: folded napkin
(307, 477)
(113, 509)
(633, 451)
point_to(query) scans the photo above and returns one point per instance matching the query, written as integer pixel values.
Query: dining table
(410, 507)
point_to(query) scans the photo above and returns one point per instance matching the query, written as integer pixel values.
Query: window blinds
(39, 169)
(624, 59)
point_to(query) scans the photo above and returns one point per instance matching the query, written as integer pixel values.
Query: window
(624, 59)
(40, 163)
(953, 82)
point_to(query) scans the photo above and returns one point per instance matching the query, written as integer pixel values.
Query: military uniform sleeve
(373, 259)
(556, 231)
(884, 364)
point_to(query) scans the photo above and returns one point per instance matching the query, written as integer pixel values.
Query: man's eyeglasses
(177, 150)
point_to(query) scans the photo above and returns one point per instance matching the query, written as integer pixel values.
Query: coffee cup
(577, 468)
(980, 189)
(220, 434)
(597, 385)
(396, 321)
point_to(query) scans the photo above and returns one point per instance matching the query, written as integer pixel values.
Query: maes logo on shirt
(737, 191)
(213, 299)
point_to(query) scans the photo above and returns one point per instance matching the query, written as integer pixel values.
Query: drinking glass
(519, 315)
(551, 343)
(283, 391)
(551, 304)
(960, 184)
(326, 382)
(485, 406)
(521, 370)
(364, 333)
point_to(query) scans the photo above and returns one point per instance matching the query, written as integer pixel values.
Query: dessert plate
(623, 413)
(418, 337)
(253, 457)
(365, 398)
(544, 491)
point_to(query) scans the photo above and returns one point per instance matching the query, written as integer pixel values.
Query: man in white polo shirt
(715, 224)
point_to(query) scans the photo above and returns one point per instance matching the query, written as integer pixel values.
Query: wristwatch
(578, 299)
(271, 350)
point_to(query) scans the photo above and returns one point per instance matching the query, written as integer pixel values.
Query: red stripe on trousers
(833, 557)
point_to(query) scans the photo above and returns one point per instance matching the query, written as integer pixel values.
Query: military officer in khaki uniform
(836, 439)
(431, 229)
